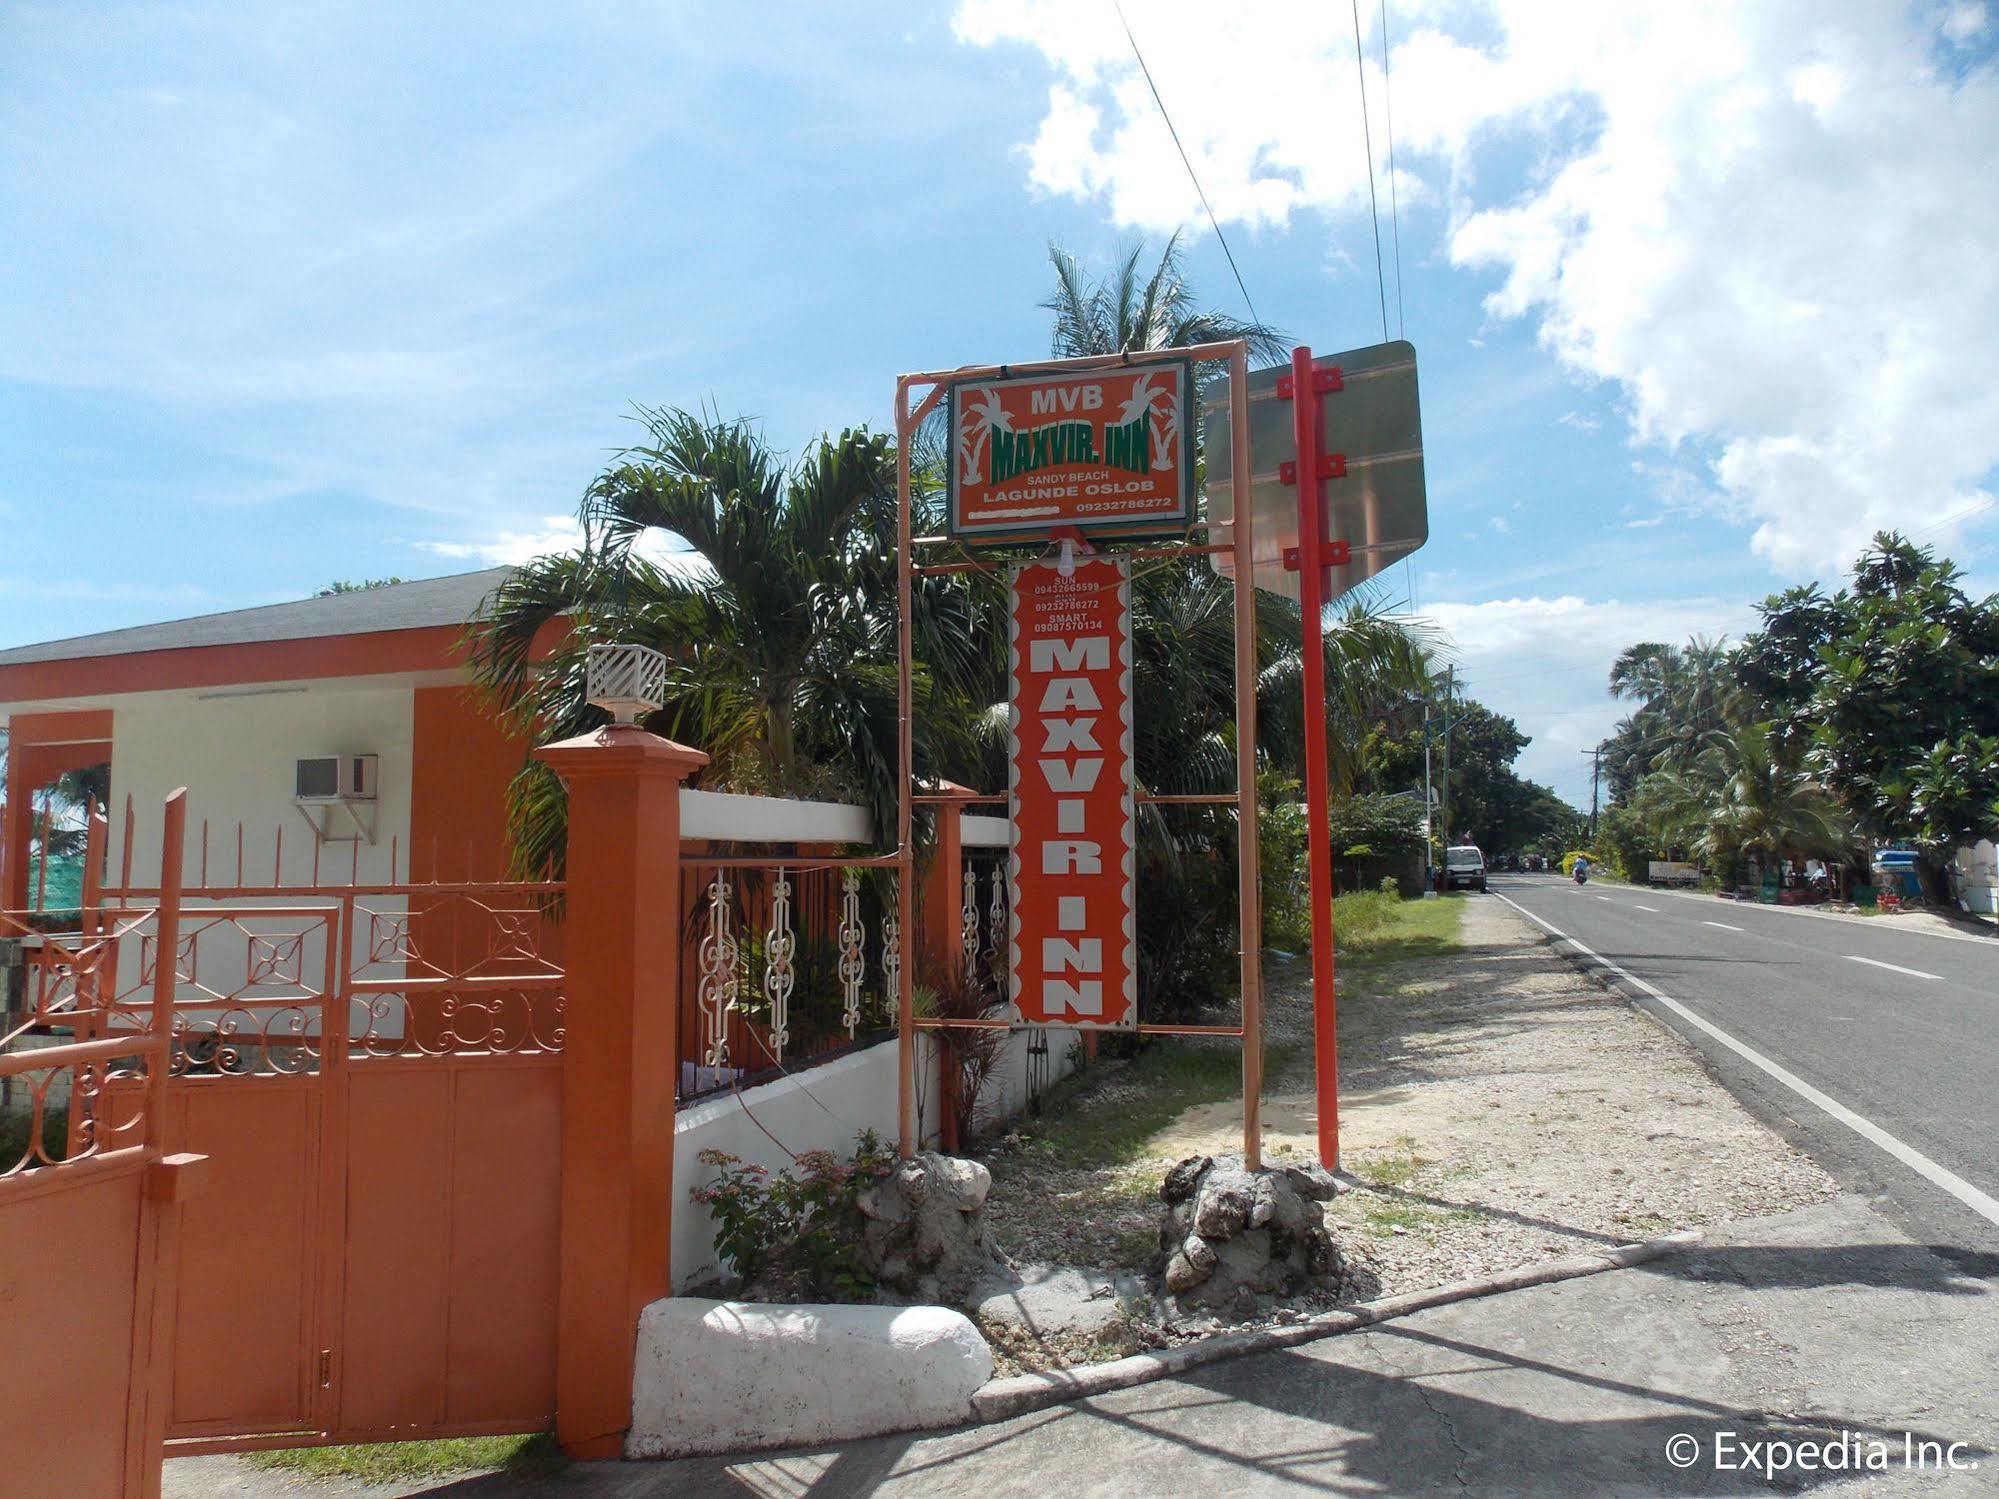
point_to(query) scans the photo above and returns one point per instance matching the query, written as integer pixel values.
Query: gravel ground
(1497, 1110)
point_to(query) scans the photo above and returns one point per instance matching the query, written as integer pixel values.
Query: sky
(1703, 292)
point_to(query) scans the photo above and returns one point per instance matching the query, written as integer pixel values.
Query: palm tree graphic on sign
(1146, 401)
(984, 415)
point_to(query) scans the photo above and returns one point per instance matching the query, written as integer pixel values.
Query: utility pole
(1429, 801)
(1595, 769)
(1444, 801)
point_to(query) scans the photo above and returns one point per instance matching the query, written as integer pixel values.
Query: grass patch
(1164, 1080)
(1393, 1169)
(1372, 926)
(1388, 1215)
(534, 1455)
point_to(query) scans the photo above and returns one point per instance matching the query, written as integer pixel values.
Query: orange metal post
(1249, 897)
(905, 769)
(623, 945)
(943, 906)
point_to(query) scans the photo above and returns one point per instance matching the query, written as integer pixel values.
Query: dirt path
(1497, 1110)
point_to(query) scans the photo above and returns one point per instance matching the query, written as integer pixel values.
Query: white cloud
(1769, 224)
(1544, 662)
(1963, 22)
(557, 534)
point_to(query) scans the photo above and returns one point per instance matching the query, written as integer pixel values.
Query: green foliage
(778, 621)
(1889, 691)
(800, 1230)
(1485, 799)
(534, 1456)
(347, 585)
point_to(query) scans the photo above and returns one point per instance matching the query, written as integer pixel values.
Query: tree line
(1848, 721)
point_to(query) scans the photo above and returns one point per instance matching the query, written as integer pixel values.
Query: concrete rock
(1233, 1239)
(1183, 1178)
(723, 1376)
(1054, 1300)
(1181, 1276)
(924, 1233)
(1314, 1182)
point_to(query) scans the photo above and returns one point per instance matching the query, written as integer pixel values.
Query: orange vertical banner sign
(1073, 957)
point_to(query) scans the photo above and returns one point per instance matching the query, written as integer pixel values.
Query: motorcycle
(1582, 874)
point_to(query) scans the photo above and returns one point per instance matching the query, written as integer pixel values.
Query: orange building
(334, 734)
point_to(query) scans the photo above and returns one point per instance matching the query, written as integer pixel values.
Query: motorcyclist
(1582, 870)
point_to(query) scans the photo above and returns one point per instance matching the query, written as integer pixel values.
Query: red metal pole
(1306, 434)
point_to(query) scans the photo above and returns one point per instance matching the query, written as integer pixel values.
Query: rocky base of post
(924, 1237)
(1230, 1235)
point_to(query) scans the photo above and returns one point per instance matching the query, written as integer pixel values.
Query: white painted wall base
(730, 1376)
(819, 1108)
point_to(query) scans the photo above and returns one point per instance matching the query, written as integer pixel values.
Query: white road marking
(1914, 973)
(1981, 1203)
(1723, 925)
(1603, 897)
(1653, 909)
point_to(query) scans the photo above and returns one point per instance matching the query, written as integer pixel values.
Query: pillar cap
(938, 786)
(620, 749)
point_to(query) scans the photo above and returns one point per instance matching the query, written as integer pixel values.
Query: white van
(1464, 868)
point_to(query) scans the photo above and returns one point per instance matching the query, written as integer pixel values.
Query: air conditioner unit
(324, 779)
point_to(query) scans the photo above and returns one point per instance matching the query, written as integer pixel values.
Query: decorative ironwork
(780, 947)
(996, 919)
(892, 961)
(853, 957)
(716, 993)
(968, 918)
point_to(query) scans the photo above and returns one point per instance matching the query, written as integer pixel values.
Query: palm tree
(1753, 799)
(1127, 312)
(778, 620)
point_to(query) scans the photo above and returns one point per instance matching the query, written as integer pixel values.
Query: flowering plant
(795, 1231)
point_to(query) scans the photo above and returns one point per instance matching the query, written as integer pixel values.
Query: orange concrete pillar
(622, 938)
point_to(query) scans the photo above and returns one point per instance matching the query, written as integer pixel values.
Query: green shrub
(799, 1232)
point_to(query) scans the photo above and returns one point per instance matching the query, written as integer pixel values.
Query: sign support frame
(908, 416)
(1309, 471)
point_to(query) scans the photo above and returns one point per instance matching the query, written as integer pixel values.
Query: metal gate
(89, 1212)
(374, 1074)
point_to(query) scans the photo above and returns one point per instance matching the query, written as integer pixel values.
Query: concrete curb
(1002, 1398)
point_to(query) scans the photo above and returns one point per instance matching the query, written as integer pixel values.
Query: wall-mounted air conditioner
(324, 787)
(335, 778)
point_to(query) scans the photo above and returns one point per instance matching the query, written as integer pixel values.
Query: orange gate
(374, 1074)
(89, 1210)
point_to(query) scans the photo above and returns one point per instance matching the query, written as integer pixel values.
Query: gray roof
(396, 606)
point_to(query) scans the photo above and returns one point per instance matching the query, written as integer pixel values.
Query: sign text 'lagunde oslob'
(1073, 957)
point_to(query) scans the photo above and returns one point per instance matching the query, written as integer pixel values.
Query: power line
(1367, 137)
(1394, 207)
(1200, 192)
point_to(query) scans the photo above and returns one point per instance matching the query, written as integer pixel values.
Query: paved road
(1899, 1027)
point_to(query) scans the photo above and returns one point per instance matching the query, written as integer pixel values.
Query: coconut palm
(1132, 311)
(777, 619)
(1751, 798)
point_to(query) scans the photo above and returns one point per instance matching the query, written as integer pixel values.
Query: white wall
(236, 756)
(821, 1108)
(1978, 872)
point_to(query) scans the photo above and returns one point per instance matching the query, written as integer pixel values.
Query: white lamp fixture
(626, 681)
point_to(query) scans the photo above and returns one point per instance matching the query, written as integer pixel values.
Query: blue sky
(291, 293)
